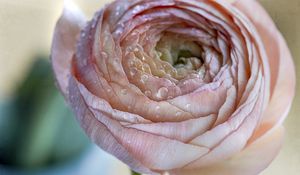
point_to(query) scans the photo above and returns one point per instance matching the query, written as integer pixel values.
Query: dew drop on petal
(159, 54)
(148, 93)
(201, 72)
(162, 92)
(93, 25)
(188, 106)
(157, 109)
(136, 9)
(178, 113)
(124, 91)
(170, 97)
(116, 63)
(104, 55)
(144, 78)
(133, 71)
(131, 62)
(119, 29)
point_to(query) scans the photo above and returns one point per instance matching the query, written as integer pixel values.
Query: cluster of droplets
(140, 64)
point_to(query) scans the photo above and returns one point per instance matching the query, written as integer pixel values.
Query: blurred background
(39, 135)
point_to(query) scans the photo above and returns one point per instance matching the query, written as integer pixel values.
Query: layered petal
(178, 86)
(248, 162)
(283, 80)
(64, 43)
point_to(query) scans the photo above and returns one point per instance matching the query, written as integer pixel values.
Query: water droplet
(124, 91)
(133, 71)
(104, 55)
(83, 34)
(131, 62)
(118, 8)
(144, 78)
(116, 63)
(148, 93)
(157, 109)
(161, 68)
(162, 92)
(93, 25)
(143, 58)
(137, 9)
(178, 113)
(119, 30)
(188, 106)
(170, 97)
(169, 81)
(201, 72)
(159, 54)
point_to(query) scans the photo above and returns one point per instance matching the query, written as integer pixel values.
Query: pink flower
(178, 86)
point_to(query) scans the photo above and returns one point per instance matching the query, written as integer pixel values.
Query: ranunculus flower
(178, 86)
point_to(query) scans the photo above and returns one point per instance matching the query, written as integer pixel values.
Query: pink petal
(98, 132)
(281, 65)
(64, 43)
(251, 161)
(130, 145)
(182, 131)
(240, 128)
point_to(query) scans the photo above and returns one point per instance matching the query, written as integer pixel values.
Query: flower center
(184, 55)
(187, 60)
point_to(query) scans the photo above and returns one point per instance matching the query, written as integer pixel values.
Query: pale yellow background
(26, 28)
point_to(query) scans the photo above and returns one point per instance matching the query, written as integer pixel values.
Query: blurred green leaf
(134, 173)
(37, 127)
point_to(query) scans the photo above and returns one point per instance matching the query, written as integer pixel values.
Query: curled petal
(64, 43)
(283, 80)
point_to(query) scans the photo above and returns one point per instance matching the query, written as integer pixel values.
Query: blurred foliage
(134, 173)
(36, 127)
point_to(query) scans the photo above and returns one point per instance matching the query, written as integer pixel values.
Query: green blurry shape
(8, 130)
(69, 141)
(135, 173)
(41, 130)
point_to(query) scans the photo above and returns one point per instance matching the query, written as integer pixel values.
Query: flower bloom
(178, 86)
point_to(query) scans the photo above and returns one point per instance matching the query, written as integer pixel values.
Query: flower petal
(98, 132)
(281, 65)
(64, 43)
(249, 162)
